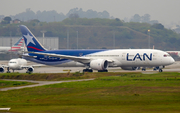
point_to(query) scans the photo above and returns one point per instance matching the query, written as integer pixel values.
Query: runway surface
(49, 69)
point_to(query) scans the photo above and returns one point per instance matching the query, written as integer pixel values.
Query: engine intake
(99, 64)
(30, 70)
(1, 69)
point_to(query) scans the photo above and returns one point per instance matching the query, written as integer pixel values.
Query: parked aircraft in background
(174, 53)
(17, 64)
(128, 59)
(15, 48)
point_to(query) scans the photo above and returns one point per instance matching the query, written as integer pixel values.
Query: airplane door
(155, 56)
(123, 56)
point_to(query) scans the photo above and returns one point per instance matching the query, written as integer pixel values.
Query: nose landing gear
(159, 68)
(8, 70)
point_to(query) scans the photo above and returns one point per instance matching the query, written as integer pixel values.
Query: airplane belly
(140, 63)
(71, 64)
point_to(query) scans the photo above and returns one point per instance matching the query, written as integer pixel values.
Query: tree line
(54, 16)
(99, 33)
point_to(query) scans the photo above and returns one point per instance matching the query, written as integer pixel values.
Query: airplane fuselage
(9, 49)
(119, 57)
(17, 64)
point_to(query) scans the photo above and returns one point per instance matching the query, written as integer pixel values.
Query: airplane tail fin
(18, 45)
(31, 42)
(19, 42)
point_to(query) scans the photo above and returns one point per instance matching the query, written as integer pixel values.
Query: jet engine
(99, 64)
(30, 70)
(129, 68)
(1, 69)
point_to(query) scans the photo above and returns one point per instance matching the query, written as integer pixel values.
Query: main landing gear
(87, 70)
(103, 70)
(154, 69)
(143, 69)
(90, 70)
(159, 68)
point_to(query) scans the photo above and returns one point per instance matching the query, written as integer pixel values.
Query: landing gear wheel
(87, 70)
(90, 70)
(29, 72)
(102, 70)
(160, 70)
(8, 70)
(143, 69)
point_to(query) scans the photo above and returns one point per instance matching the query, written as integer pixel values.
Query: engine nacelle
(129, 68)
(99, 64)
(30, 69)
(1, 69)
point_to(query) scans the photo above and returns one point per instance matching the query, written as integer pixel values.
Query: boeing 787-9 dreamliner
(96, 59)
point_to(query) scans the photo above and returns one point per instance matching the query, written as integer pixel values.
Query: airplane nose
(172, 60)
(12, 66)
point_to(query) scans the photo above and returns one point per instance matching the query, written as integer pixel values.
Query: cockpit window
(12, 62)
(166, 55)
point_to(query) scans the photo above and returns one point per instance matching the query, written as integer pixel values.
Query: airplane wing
(4, 66)
(74, 58)
(83, 60)
(25, 67)
(34, 66)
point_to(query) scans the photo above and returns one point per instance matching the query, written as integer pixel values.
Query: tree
(74, 15)
(146, 18)
(158, 26)
(173, 40)
(136, 18)
(6, 20)
(153, 22)
(35, 21)
(117, 19)
(116, 22)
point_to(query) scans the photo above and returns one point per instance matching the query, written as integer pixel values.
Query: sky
(165, 11)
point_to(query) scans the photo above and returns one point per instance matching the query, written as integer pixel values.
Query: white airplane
(17, 64)
(16, 47)
(128, 59)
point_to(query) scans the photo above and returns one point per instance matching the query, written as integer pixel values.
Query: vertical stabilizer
(18, 45)
(31, 42)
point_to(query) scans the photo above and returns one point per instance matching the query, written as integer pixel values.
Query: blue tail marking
(31, 41)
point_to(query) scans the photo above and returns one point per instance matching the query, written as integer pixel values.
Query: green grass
(109, 92)
(4, 84)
